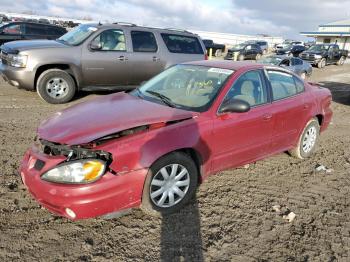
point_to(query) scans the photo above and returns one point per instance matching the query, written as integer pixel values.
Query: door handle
(122, 58)
(155, 59)
(267, 117)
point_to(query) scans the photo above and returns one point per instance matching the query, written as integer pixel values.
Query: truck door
(105, 60)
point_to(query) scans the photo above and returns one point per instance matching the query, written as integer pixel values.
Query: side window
(12, 29)
(182, 44)
(335, 48)
(283, 84)
(54, 31)
(250, 88)
(248, 47)
(299, 84)
(33, 29)
(111, 40)
(143, 41)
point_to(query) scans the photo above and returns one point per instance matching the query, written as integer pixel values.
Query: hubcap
(309, 139)
(170, 185)
(57, 87)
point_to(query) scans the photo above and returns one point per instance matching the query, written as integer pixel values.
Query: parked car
(288, 42)
(244, 51)
(291, 50)
(95, 56)
(321, 55)
(263, 45)
(154, 145)
(27, 31)
(217, 49)
(294, 64)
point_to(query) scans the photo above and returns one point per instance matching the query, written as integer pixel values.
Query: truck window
(33, 29)
(111, 40)
(12, 29)
(143, 41)
(182, 44)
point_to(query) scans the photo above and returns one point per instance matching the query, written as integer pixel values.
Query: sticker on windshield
(93, 29)
(220, 71)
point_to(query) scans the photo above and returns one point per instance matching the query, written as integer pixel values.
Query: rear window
(182, 44)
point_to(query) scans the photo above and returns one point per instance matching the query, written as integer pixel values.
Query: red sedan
(152, 147)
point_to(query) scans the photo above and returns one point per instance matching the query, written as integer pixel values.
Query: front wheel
(341, 61)
(322, 63)
(56, 86)
(241, 57)
(258, 56)
(170, 184)
(307, 141)
(218, 53)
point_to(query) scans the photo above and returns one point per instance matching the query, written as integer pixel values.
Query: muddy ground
(231, 218)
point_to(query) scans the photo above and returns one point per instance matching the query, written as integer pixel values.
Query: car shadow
(340, 91)
(181, 237)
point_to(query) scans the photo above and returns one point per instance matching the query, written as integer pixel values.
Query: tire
(264, 52)
(341, 61)
(56, 86)
(258, 56)
(151, 200)
(322, 63)
(241, 57)
(218, 53)
(303, 149)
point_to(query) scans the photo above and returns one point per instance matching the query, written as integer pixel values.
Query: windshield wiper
(166, 100)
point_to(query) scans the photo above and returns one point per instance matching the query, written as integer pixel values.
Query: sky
(273, 17)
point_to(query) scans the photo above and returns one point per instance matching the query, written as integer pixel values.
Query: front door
(244, 137)
(107, 65)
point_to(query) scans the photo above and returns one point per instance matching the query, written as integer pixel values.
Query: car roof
(225, 64)
(33, 23)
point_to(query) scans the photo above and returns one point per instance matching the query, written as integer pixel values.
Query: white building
(233, 39)
(336, 32)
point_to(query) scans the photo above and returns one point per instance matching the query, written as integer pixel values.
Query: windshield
(238, 47)
(319, 48)
(77, 35)
(187, 87)
(270, 60)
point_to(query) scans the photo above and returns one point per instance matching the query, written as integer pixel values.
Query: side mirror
(94, 45)
(235, 106)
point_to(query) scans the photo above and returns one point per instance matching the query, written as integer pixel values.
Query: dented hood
(103, 116)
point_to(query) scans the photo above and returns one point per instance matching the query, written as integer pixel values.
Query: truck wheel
(56, 86)
(257, 57)
(322, 63)
(241, 57)
(341, 61)
(218, 53)
(307, 141)
(171, 182)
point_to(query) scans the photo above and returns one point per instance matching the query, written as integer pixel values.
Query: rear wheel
(307, 141)
(56, 86)
(218, 53)
(258, 56)
(170, 184)
(241, 57)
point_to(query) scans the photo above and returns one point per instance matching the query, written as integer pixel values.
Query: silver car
(294, 64)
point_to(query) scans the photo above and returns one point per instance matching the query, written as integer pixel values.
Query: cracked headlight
(76, 172)
(17, 60)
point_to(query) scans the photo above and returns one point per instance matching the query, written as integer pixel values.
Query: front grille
(307, 56)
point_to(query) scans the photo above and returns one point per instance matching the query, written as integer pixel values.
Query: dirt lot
(230, 220)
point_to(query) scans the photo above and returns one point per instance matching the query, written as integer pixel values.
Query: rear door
(34, 31)
(146, 59)
(243, 137)
(290, 109)
(108, 66)
(334, 53)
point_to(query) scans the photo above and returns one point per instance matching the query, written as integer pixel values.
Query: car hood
(103, 116)
(313, 52)
(17, 46)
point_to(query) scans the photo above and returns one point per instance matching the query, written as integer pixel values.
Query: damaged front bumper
(111, 193)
